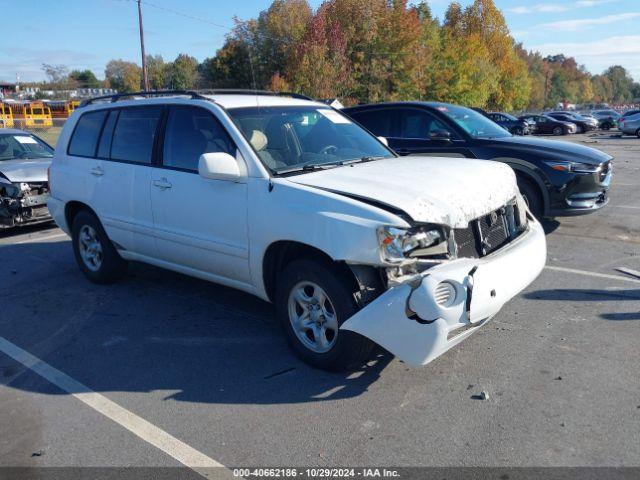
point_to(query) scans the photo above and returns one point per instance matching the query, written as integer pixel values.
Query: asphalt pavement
(161, 366)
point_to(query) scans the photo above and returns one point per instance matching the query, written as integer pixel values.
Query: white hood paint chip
(443, 190)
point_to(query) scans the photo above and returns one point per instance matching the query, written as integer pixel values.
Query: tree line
(380, 50)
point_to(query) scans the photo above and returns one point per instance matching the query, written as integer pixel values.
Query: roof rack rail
(148, 94)
(243, 91)
(199, 94)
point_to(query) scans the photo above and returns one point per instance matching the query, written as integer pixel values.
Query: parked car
(607, 119)
(288, 199)
(510, 123)
(584, 124)
(546, 125)
(556, 178)
(24, 159)
(630, 113)
(630, 125)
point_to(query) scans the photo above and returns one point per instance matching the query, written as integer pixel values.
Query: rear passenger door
(117, 149)
(200, 223)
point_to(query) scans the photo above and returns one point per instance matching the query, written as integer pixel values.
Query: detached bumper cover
(482, 287)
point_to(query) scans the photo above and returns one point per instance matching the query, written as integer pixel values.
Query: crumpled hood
(25, 170)
(448, 191)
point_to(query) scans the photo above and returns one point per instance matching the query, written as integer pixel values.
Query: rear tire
(580, 129)
(313, 295)
(638, 133)
(94, 252)
(532, 197)
(518, 131)
(606, 126)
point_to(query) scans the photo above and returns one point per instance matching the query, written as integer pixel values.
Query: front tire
(313, 298)
(557, 131)
(518, 131)
(606, 126)
(638, 133)
(94, 252)
(532, 197)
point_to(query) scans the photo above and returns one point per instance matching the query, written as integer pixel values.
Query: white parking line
(37, 239)
(626, 206)
(148, 432)
(592, 274)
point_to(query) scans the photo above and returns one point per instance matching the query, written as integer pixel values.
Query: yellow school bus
(32, 114)
(62, 109)
(6, 116)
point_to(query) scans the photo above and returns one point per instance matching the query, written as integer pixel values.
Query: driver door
(414, 136)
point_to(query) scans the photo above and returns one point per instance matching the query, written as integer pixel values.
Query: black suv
(556, 178)
(515, 125)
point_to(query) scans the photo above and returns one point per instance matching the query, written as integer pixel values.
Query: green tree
(183, 72)
(84, 79)
(156, 72)
(621, 84)
(123, 76)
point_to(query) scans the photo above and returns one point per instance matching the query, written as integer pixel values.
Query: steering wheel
(328, 150)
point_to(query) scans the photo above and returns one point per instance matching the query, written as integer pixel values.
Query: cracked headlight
(398, 244)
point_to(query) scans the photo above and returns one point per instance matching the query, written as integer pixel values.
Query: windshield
(20, 146)
(303, 138)
(474, 123)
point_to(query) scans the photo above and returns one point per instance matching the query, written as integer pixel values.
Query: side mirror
(384, 140)
(440, 135)
(219, 166)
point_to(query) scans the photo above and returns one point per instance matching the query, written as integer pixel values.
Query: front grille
(488, 233)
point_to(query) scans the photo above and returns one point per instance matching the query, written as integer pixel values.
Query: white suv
(289, 200)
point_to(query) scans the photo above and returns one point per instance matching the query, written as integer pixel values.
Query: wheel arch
(282, 252)
(72, 208)
(528, 173)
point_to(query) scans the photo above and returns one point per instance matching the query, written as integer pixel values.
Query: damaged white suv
(289, 200)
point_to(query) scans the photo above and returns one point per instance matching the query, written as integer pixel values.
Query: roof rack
(243, 91)
(196, 94)
(148, 94)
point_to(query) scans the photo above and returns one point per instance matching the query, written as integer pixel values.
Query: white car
(289, 200)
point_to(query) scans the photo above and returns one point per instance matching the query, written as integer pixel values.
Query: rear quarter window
(134, 134)
(85, 136)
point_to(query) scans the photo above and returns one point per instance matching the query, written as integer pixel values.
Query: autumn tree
(123, 76)
(157, 72)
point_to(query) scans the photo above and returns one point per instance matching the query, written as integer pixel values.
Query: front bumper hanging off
(482, 286)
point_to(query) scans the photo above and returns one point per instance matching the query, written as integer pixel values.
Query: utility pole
(145, 78)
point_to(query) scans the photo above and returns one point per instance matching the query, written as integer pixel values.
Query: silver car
(24, 187)
(630, 125)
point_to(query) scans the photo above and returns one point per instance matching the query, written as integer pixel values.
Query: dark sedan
(513, 124)
(584, 124)
(546, 125)
(556, 178)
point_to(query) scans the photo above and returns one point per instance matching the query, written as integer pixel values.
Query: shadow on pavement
(155, 330)
(591, 295)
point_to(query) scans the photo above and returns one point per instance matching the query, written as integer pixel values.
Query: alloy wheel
(90, 248)
(312, 316)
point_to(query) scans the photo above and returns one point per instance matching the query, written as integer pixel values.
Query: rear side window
(420, 124)
(134, 134)
(104, 148)
(85, 136)
(378, 122)
(191, 132)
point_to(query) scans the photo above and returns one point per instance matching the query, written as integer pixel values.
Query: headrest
(258, 140)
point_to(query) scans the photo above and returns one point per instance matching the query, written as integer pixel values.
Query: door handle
(403, 151)
(162, 184)
(97, 171)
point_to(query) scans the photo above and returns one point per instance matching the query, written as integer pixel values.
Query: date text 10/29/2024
(315, 472)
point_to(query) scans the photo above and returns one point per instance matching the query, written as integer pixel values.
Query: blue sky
(87, 33)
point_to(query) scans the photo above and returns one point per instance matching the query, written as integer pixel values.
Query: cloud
(555, 8)
(539, 8)
(27, 62)
(594, 3)
(600, 54)
(583, 23)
